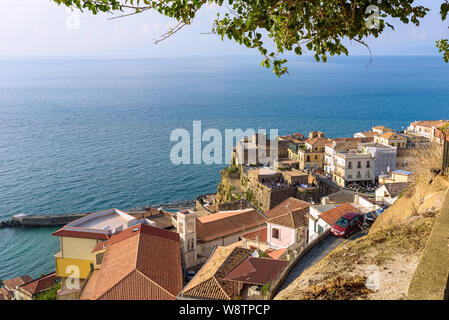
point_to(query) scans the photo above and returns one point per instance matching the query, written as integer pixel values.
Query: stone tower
(187, 232)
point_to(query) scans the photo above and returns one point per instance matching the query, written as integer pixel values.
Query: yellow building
(76, 260)
(396, 176)
(391, 139)
(311, 156)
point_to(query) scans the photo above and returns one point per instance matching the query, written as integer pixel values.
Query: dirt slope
(387, 257)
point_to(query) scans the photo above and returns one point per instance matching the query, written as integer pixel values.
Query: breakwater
(55, 220)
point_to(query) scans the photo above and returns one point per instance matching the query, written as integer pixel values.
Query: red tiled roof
(140, 263)
(72, 232)
(11, 284)
(286, 206)
(258, 235)
(276, 254)
(331, 216)
(391, 135)
(318, 141)
(40, 284)
(430, 123)
(100, 246)
(257, 270)
(222, 224)
(208, 283)
(292, 219)
(5, 294)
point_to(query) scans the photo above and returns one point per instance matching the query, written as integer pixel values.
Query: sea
(87, 134)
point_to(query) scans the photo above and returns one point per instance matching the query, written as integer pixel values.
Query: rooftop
(396, 188)
(292, 219)
(40, 284)
(342, 196)
(225, 223)
(376, 145)
(98, 225)
(392, 136)
(430, 123)
(11, 284)
(258, 235)
(331, 216)
(402, 172)
(259, 271)
(286, 206)
(208, 282)
(140, 263)
(318, 141)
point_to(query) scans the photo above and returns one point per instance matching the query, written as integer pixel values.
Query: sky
(42, 28)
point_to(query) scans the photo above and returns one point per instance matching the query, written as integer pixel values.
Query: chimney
(325, 200)
(356, 199)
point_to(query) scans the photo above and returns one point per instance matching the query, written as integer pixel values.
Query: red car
(347, 224)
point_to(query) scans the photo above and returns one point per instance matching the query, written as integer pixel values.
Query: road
(320, 251)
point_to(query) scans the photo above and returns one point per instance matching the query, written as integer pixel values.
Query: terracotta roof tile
(331, 216)
(318, 141)
(396, 188)
(430, 123)
(141, 262)
(256, 270)
(286, 206)
(41, 284)
(65, 232)
(11, 284)
(208, 283)
(100, 246)
(276, 254)
(222, 224)
(292, 219)
(5, 294)
(392, 136)
(258, 235)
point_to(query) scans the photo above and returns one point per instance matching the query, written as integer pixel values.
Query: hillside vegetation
(387, 255)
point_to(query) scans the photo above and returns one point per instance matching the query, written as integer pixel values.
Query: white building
(337, 145)
(353, 167)
(384, 157)
(388, 193)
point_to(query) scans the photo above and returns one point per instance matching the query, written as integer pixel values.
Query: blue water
(80, 135)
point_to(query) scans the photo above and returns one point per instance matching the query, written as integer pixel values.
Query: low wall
(47, 220)
(431, 278)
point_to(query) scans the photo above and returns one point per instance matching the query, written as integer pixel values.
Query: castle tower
(187, 233)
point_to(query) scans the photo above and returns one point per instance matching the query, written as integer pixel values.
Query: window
(99, 258)
(359, 164)
(349, 165)
(368, 164)
(308, 158)
(320, 229)
(275, 233)
(316, 157)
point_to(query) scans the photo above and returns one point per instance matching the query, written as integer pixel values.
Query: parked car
(370, 217)
(347, 224)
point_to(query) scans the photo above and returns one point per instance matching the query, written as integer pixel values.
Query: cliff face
(426, 195)
(226, 189)
(392, 249)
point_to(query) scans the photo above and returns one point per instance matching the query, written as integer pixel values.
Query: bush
(49, 294)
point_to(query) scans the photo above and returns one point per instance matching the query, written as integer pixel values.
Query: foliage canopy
(292, 25)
